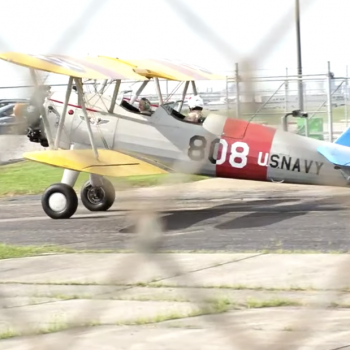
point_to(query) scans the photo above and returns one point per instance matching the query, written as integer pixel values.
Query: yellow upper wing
(103, 67)
(86, 68)
(110, 163)
(170, 69)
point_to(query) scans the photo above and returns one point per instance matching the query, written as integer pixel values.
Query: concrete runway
(216, 214)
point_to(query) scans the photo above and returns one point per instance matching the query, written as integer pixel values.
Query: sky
(213, 34)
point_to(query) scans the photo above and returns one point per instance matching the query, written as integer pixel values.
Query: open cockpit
(145, 108)
(173, 109)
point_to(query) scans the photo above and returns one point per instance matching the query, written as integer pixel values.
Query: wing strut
(159, 92)
(194, 87)
(104, 84)
(138, 92)
(183, 95)
(79, 84)
(115, 95)
(64, 112)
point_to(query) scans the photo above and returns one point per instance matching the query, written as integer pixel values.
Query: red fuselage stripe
(246, 147)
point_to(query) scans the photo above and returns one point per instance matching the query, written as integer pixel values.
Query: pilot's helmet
(144, 104)
(195, 102)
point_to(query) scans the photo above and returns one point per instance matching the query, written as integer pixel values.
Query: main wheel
(59, 201)
(98, 198)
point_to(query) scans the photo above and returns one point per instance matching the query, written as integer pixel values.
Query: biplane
(105, 135)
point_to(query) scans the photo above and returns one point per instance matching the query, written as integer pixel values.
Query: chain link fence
(123, 273)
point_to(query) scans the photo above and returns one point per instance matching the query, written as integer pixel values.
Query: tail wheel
(59, 201)
(98, 198)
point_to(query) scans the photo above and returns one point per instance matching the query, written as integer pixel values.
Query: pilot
(195, 104)
(145, 106)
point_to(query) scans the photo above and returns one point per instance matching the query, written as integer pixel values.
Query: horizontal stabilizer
(110, 163)
(336, 154)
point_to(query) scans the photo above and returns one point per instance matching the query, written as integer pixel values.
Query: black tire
(69, 194)
(98, 198)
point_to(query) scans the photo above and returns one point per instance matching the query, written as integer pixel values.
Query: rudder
(344, 138)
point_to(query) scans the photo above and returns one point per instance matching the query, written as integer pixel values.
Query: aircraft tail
(338, 152)
(344, 138)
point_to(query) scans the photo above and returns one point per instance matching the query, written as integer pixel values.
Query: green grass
(8, 251)
(32, 178)
(12, 251)
(214, 306)
(8, 333)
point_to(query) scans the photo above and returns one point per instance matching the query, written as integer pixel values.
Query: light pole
(300, 69)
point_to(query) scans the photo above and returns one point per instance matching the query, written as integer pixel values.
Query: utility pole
(300, 69)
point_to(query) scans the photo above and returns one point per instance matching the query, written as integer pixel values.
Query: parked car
(9, 124)
(12, 101)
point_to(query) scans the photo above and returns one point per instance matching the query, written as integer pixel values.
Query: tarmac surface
(215, 214)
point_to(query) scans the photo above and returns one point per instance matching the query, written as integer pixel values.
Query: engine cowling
(31, 114)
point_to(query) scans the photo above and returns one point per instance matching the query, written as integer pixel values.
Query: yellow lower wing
(110, 163)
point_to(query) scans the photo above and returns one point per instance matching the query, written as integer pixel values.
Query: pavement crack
(191, 271)
(32, 304)
(342, 347)
(206, 268)
(221, 264)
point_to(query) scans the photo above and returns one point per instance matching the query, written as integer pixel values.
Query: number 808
(197, 149)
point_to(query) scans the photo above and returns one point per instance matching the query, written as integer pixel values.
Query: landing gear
(59, 201)
(98, 198)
